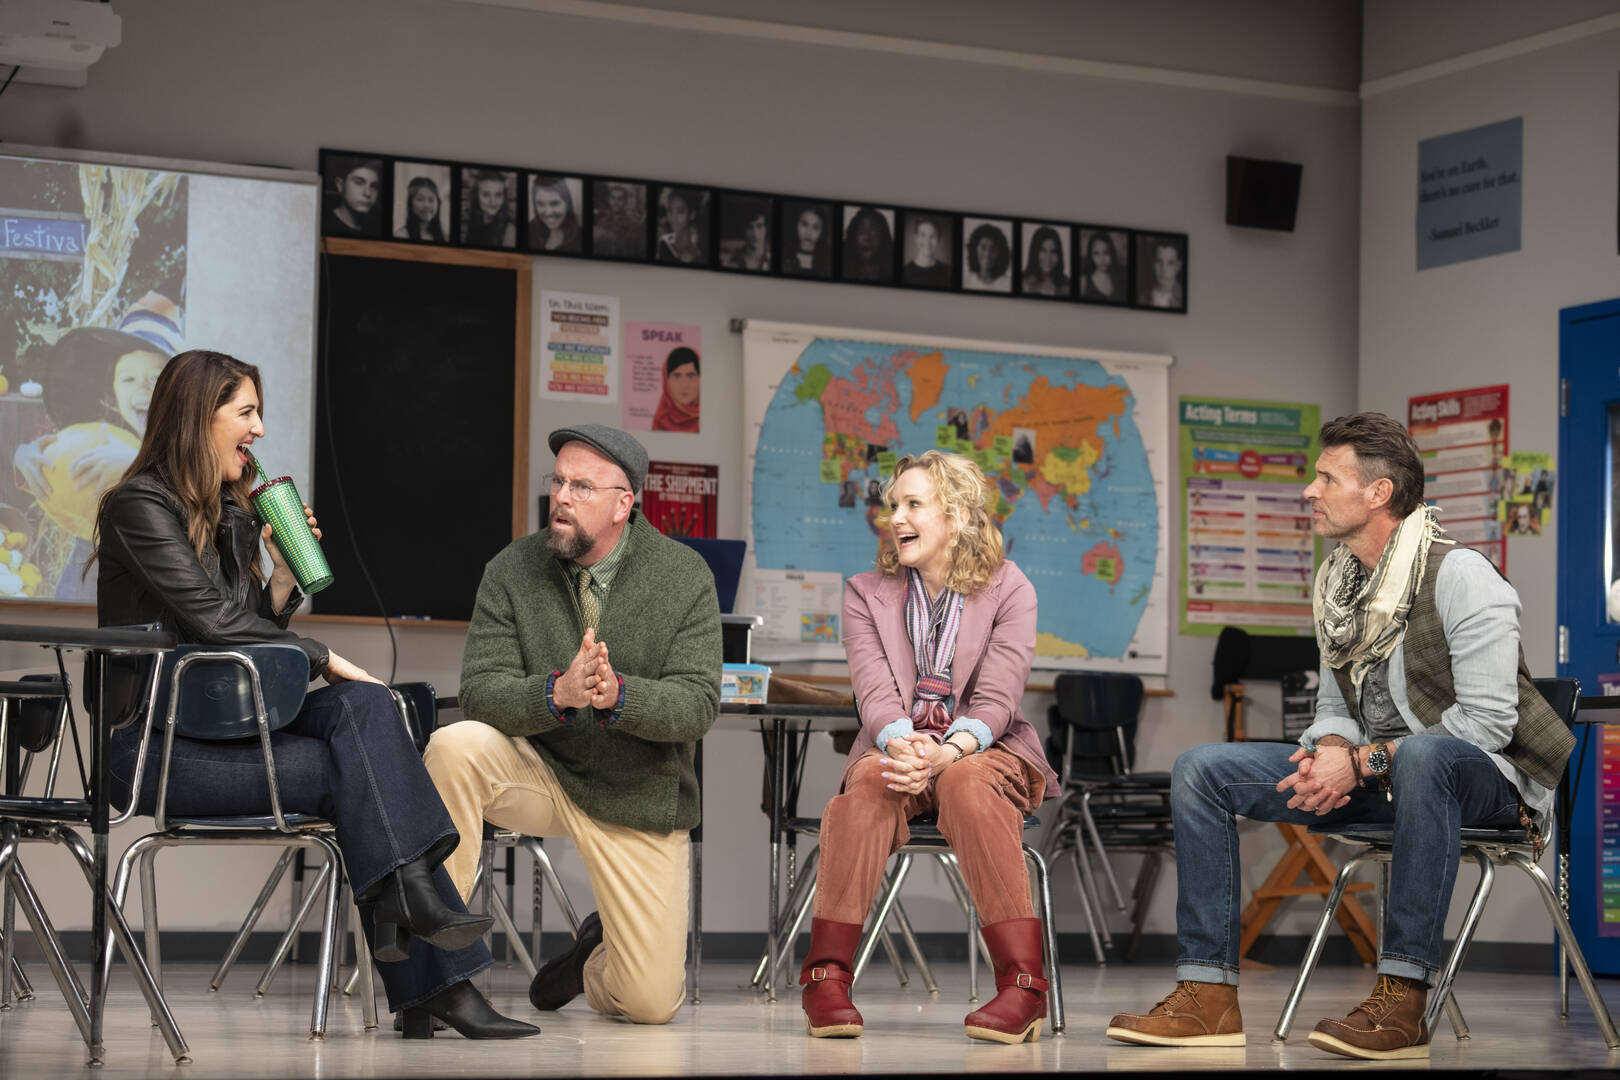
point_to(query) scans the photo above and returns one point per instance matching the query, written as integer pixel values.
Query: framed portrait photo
(746, 224)
(489, 207)
(868, 244)
(1047, 258)
(683, 226)
(619, 219)
(1105, 265)
(807, 228)
(422, 202)
(353, 194)
(927, 249)
(554, 223)
(1161, 271)
(987, 255)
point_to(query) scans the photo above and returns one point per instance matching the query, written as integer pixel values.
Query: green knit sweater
(661, 623)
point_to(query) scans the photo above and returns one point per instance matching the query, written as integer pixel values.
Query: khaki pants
(640, 879)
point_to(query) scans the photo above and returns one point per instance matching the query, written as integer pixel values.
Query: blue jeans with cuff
(1440, 784)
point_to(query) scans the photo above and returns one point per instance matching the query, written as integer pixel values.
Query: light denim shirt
(1480, 613)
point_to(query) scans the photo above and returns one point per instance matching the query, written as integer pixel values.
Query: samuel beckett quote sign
(1469, 185)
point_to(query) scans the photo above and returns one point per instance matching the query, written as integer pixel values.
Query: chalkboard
(421, 433)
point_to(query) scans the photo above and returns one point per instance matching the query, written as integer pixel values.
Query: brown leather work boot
(1387, 1026)
(1193, 1014)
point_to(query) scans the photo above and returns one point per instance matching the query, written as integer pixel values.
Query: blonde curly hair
(966, 496)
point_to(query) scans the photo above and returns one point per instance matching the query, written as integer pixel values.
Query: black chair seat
(293, 819)
(1383, 835)
(1124, 780)
(28, 808)
(926, 826)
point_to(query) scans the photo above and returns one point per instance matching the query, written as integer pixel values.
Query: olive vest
(1541, 741)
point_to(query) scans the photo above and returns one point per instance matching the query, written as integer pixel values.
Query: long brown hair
(179, 441)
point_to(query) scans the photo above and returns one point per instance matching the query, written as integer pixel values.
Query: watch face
(1378, 760)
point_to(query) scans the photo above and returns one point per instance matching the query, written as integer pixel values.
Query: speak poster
(682, 500)
(662, 377)
(579, 336)
(1249, 555)
(1462, 436)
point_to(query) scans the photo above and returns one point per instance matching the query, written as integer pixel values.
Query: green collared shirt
(603, 570)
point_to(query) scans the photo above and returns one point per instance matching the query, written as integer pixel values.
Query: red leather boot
(1016, 1012)
(826, 977)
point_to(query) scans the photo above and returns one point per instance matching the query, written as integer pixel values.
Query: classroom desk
(780, 721)
(95, 809)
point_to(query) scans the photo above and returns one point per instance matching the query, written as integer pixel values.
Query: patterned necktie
(587, 599)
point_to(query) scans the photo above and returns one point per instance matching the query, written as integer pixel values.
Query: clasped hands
(912, 761)
(589, 679)
(1323, 780)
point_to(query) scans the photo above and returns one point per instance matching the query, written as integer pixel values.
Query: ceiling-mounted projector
(56, 41)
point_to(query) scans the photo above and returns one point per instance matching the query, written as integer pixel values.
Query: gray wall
(1273, 316)
(1492, 320)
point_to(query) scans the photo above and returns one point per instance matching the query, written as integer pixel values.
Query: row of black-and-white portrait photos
(500, 208)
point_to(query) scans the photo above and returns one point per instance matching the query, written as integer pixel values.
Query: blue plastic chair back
(216, 696)
(725, 559)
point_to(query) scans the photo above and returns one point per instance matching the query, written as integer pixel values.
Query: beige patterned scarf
(1360, 617)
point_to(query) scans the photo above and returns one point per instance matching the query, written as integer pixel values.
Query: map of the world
(1061, 438)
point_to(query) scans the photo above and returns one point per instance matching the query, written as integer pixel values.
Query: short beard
(569, 546)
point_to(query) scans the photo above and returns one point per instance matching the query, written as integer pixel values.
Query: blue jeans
(347, 758)
(1440, 785)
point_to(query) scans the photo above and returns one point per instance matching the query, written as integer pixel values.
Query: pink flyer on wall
(662, 377)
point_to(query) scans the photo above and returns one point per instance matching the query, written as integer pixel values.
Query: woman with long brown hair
(178, 546)
(939, 638)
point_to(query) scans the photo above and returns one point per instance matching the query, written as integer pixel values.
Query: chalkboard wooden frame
(522, 265)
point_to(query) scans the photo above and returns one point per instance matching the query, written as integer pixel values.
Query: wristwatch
(1378, 765)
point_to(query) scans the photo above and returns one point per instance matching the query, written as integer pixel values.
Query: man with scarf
(1426, 722)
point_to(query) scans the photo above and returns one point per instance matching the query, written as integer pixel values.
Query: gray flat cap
(619, 447)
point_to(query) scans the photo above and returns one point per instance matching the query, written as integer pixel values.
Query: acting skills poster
(1249, 555)
(1462, 436)
(579, 336)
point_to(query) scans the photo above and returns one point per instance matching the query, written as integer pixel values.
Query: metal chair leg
(915, 948)
(1086, 906)
(1577, 959)
(289, 940)
(897, 877)
(1313, 951)
(503, 918)
(120, 933)
(800, 899)
(1043, 898)
(51, 945)
(330, 929)
(149, 914)
(1102, 852)
(364, 968)
(1091, 890)
(1440, 993)
(251, 920)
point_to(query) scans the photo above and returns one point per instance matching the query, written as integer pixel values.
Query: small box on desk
(747, 683)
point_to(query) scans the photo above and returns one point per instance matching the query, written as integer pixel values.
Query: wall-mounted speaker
(1262, 194)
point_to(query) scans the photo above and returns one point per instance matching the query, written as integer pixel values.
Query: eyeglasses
(583, 490)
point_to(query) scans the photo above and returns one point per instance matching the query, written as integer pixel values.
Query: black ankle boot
(463, 1008)
(408, 905)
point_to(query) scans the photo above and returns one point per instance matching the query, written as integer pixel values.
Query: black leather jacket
(149, 573)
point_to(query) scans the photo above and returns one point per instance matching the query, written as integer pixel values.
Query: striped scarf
(932, 628)
(1360, 617)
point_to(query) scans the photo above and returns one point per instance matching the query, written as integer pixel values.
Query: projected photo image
(96, 259)
(108, 272)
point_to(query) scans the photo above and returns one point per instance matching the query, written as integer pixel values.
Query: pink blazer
(994, 649)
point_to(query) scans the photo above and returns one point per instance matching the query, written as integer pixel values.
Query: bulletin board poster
(1249, 556)
(579, 347)
(662, 377)
(1462, 436)
(682, 500)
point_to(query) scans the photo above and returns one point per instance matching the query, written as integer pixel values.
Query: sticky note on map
(945, 436)
(1003, 446)
(830, 472)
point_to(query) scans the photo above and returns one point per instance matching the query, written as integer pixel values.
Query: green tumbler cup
(277, 502)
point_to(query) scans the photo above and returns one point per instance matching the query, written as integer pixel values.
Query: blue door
(1589, 633)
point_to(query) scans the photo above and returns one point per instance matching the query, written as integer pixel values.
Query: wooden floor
(734, 1032)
